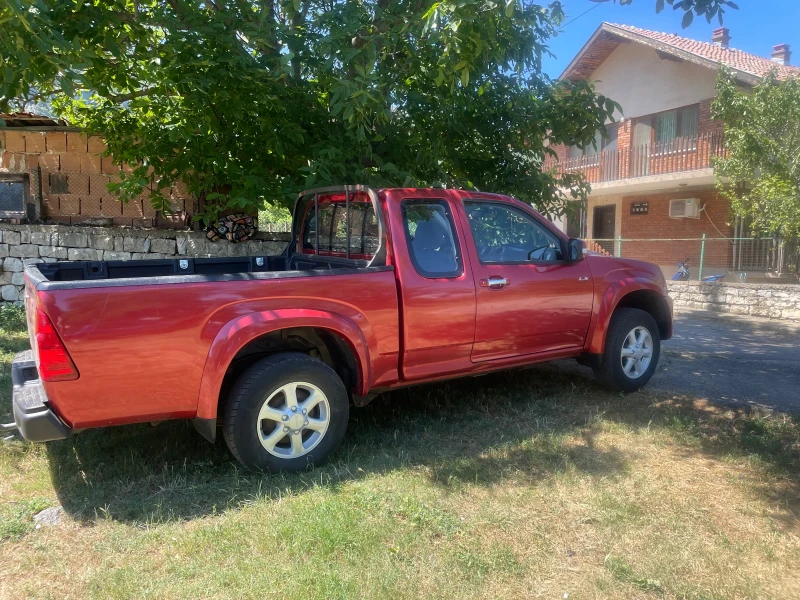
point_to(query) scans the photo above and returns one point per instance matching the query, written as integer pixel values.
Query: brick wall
(21, 245)
(657, 224)
(69, 176)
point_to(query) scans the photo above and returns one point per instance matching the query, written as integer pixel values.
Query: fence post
(619, 246)
(702, 257)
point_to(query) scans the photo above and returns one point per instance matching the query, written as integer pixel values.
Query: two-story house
(652, 178)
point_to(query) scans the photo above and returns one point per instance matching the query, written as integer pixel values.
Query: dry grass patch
(518, 485)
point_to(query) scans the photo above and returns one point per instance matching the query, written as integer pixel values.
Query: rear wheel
(285, 413)
(633, 346)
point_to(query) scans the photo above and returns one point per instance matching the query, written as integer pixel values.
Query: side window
(431, 238)
(504, 234)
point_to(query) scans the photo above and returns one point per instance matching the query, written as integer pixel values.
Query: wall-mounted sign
(640, 208)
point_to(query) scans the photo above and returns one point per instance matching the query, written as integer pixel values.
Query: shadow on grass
(526, 425)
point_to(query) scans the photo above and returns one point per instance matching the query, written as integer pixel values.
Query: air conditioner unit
(684, 208)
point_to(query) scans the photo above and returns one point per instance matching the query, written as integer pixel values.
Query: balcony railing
(675, 156)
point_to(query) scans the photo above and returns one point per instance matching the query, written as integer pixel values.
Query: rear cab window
(431, 238)
(324, 232)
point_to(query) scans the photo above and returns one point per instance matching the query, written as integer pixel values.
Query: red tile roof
(736, 59)
(609, 35)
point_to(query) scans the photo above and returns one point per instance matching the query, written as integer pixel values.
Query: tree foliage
(760, 172)
(702, 8)
(246, 100)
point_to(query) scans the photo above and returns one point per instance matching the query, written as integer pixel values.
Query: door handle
(495, 282)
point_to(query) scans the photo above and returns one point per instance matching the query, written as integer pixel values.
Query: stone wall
(21, 245)
(758, 300)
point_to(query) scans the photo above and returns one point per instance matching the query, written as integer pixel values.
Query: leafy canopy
(247, 100)
(702, 8)
(762, 139)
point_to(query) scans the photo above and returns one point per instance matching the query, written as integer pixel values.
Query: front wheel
(286, 413)
(633, 346)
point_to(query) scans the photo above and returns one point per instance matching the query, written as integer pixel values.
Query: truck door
(529, 299)
(437, 293)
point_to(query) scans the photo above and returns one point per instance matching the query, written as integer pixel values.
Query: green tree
(246, 100)
(760, 171)
(702, 8)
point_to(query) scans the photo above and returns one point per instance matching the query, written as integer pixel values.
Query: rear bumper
(35, 421)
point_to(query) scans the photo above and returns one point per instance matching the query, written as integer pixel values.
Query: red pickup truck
(378, 289)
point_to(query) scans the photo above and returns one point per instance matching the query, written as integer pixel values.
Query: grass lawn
(524, 484)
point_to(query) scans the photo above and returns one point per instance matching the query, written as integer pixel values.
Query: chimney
(721, 37)
(781, 54)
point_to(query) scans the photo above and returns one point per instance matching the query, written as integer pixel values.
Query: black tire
(611, 373)
(256, 385)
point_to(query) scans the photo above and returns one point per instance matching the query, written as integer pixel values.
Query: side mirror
(575, 250)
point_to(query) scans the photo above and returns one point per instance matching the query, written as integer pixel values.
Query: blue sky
(755, 27)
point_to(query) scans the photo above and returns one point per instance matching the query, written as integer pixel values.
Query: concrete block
(12, 264)
(24, 251)
(181, 245)
(34, 142)
(84, 254)
(111, 255)
(73, 240)
(10, 293)
(15, 141)
(40, 238)
(96, 145)
(147, 255)
(56, 141)
(76, 142)
(163, 246)
(12, 238)
(101, 242)
(18, 278)
(53, 252)
(201, 247)
(90, 163)
(3, 250)
(135, 244)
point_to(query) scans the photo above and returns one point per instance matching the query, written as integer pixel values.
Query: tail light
(54, 361)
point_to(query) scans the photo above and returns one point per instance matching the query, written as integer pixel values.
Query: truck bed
(243, 266)
(164, 325)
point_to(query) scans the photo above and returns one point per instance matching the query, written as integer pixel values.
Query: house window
(664, 128)
(591, 150)
(12, 196)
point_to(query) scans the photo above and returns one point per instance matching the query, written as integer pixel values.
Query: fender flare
(236, 334)
(596, 340)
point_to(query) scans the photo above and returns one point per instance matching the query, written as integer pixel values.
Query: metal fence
(773, 256)
(280, 227)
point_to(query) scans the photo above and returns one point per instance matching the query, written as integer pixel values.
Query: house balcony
(686, 161)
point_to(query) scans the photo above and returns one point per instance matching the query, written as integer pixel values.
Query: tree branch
(137, 94)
